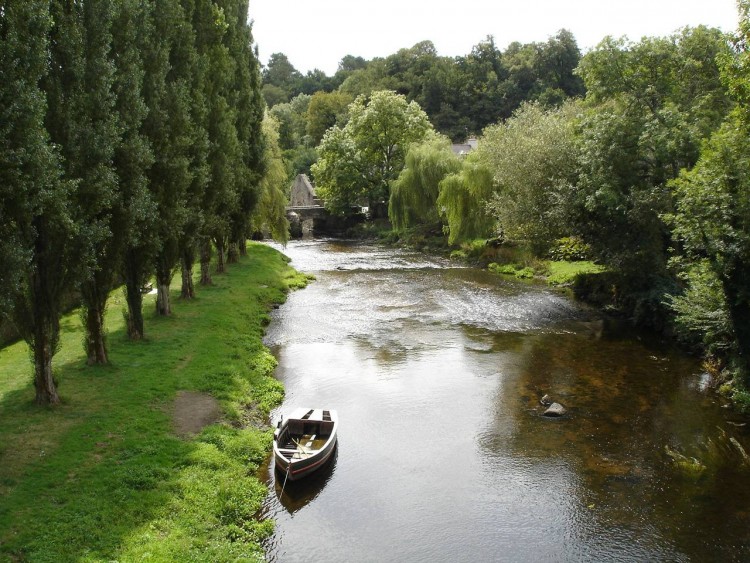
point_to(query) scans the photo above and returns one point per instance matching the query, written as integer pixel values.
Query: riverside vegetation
(103, 476)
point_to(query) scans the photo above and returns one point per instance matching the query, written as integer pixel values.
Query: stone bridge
(306, 219)
(307, 215)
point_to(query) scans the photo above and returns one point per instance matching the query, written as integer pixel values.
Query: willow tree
(463, 201)
(270, 213)
(415, 192)
(37, 225)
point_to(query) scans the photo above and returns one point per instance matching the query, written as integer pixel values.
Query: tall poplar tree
(249, 109)
(188, 244)
(89, 159)
(224, 147)
(132, 158)
(168, 127)
(36, 223)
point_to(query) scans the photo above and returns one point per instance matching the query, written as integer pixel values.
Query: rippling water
(436, 372)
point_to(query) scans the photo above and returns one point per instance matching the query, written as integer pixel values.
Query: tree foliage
(326, 109)
(531, 157)
(463, 201)
(99, 197)
(646, 119)
(461, 95)
(712, 221)
(359, 161)
(132, 159)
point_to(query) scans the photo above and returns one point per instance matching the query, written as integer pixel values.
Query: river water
(436, 372)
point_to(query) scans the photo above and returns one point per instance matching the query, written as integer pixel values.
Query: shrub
(570, 249)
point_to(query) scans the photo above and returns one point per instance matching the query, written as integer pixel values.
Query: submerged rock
(546, 400)
(689, 465)
(554, 410)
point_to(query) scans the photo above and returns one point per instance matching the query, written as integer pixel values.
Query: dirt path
(193, 411)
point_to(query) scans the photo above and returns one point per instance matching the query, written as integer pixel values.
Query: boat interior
(302, 436)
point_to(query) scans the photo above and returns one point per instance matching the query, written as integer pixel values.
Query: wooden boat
(303, 442)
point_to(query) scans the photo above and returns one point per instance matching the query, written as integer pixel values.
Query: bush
(570, 249)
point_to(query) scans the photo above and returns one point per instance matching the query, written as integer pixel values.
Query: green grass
(103, 476)
(555, 272)
(564, 272)
(516, 270)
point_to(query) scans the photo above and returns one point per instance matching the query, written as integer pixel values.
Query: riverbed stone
(546, 400)
(555, 410)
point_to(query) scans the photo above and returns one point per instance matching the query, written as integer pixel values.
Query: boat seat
(326, 427)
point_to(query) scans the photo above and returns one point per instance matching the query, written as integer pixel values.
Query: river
(436, 372)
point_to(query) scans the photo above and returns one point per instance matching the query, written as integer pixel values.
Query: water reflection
(436, 373)
(295, 495)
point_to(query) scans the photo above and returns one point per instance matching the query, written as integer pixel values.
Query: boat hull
(303, 467)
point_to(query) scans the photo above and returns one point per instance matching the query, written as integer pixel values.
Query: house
(465, 148)
(303, 193)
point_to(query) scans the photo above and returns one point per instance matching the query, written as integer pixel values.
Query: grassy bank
(105, 476)
(554, 272)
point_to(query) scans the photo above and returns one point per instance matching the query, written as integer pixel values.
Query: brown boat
(304, 441)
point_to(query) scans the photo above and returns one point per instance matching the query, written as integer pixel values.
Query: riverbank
(509, 259)
(115, 472)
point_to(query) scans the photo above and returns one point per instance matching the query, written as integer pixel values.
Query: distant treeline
(461, 95)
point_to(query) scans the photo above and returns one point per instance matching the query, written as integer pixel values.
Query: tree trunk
(220, 265)
(163, 281)
(44, 347)
(242, 244)
(134, 316)
(233, 256)
(162, 300)
(94, 294)
(206, 263)
(188, 290)
(133, 271)
(96, 347)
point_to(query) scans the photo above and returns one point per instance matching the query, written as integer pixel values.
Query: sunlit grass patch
(565, 272)
(516, 270)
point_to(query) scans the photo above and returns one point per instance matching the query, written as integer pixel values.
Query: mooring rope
(288, 467)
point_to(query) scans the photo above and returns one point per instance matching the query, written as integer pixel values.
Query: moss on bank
(103, 476)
